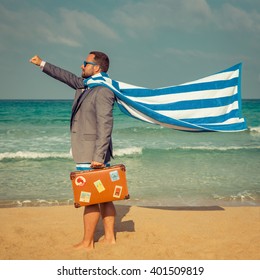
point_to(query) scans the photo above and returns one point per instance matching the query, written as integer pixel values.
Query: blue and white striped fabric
(212, 103)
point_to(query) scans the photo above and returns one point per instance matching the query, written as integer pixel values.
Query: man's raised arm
(58, 73)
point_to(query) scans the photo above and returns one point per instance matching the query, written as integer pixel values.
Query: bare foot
(84, 245)
(107, 241)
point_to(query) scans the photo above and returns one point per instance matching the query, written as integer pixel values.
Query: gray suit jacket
(91, 118)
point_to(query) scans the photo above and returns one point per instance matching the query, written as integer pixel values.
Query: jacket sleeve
(63, 76)
(104, 115)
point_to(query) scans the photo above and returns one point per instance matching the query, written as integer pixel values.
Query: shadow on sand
(129, 226)
(187, 208)
(120, 225)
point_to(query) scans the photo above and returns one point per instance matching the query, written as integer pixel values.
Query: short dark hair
(101, 59)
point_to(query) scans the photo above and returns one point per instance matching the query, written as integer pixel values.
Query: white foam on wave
(255, 130)
(39, 155)
(128, 151)
(241, 196)
(32, 155)
(34, 202)
(220, 148)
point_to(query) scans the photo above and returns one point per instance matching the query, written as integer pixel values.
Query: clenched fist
(36, 60)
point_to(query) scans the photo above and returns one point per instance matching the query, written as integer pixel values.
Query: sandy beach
(145, 233)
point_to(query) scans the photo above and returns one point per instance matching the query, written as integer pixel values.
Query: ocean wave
(34, 203)
(241, 196)
(254, 130)
(244, 198)
(219, 148)
(128, 151)
(123, 151)
(32, 155)
(40, 155)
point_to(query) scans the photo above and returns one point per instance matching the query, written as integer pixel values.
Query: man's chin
(84, 76)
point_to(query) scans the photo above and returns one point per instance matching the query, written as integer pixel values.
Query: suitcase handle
(122, 167)
(98, 167)
(74, 173)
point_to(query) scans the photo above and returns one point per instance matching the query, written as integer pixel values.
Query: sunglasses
(85, 63)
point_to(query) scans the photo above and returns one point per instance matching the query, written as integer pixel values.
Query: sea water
(165, 167)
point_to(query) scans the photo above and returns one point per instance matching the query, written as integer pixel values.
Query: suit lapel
(78, 103)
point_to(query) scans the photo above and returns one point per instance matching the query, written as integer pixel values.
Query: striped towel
(212, 103)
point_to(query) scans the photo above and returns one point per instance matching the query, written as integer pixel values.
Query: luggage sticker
(99, 186)
(114, 176)
(117, 191)
(85, 197)
(80, 181)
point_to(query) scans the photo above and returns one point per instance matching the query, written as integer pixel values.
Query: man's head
(95, 63)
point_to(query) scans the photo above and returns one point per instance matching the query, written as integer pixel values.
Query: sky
(150, 43)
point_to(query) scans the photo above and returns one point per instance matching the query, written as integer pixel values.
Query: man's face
(89, 69)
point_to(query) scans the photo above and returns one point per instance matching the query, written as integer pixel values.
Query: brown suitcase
(99, 185)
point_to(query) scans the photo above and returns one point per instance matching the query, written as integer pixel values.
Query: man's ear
(97, 68)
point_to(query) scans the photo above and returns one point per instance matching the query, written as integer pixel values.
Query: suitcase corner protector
(72, 176)
(76, 205)
(127, 196)
(122, 167)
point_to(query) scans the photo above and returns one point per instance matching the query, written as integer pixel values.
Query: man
(91, 129)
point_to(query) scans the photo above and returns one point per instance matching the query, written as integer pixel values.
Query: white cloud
(67, 27)
(230, 17)
(147, 15)
(52, 37)
(185, 15)
(79, 23)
